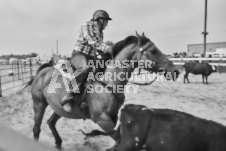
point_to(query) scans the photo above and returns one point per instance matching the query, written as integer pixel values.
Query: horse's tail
(29, 82)
(45, 65)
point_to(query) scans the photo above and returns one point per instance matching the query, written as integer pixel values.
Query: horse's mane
(122, 44)
(128, 40)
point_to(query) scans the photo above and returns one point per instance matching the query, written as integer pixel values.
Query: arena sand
(196, 98)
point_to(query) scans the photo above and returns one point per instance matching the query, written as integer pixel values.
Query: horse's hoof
(58, 147)
(114, 148)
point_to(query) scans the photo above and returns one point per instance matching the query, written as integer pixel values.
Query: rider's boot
(67, 102)
(74, 87)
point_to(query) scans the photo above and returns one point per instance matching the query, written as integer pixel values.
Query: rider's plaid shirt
(90, 36)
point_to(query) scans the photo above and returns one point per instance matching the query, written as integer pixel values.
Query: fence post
(22, 70)
(31, 69)
(0, 87)
(14, 73)
(18, 68)
(220, 65)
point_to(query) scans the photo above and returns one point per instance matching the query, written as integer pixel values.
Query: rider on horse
(90, 40)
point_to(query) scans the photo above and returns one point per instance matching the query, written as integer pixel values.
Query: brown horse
(102, 107)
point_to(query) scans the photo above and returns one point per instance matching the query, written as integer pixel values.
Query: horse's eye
(153, 49)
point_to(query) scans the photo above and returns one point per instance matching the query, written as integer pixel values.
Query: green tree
(33, 54)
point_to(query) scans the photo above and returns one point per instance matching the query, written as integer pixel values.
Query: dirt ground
(205, 101)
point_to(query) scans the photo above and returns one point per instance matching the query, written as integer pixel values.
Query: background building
(217, 49)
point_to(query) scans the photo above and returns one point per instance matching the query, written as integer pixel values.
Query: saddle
(66, 70)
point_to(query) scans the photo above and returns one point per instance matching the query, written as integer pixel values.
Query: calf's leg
(186, 77)
(203, 78)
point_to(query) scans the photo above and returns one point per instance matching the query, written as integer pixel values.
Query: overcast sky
(34, 25)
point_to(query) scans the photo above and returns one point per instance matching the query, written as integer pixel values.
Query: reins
(141, 49)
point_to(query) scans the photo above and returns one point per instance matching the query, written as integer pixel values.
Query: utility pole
(205, 33)
(52, 51)
(57, 47)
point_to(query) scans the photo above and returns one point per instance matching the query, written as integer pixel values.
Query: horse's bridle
(141, 49)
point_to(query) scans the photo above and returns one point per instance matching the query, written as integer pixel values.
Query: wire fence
(220, 63)
(16, 74)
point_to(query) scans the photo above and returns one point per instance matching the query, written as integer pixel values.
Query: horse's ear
(143, 35)
(138, 35)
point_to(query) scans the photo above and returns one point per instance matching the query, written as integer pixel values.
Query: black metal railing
(16, 74)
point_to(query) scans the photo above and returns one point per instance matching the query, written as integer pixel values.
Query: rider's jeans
(79, 61)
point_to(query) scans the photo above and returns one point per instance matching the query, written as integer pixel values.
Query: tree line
(23, 56)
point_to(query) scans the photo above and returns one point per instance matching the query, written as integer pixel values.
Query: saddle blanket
(65, 68)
